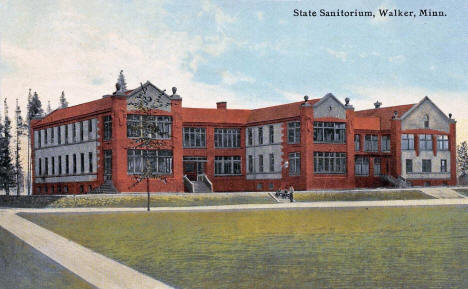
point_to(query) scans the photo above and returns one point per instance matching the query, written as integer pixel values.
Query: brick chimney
(221, 105)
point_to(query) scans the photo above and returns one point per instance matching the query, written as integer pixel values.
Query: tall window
(377, 170)
(82, 162)
(52, 135)
(361, 166)
(74, 131)
(371, 143)
(272, 133)
(194, 137)
(60, 163)
(385, 143)
(67, 165)
(150, 126)
(39, 140)
(90, 162)
(329, 163)
(260, 163)
(272, 162)
(46, 166)
(442, 143)
(227, 137)
(425, 142)
(90, 125)
(81, 130)
(294, 132)
(74, 163)
(107, 127)
(59, 135)
(409, 166)
(294, 164)
(329, 132)
(66, 133)
(426, 166)
(443, 166)
(260, 135)
(227, 165)
(159, 160)
(250, 165)
(45, 136)
(426, 121)
(249, 136)
(407, 141)
(40, 166)
(357, 142)
(53, 165)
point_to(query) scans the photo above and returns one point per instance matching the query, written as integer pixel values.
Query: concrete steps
(106, 188)
(200, 187)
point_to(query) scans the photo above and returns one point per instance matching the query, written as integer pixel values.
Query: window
(74, 132)
(250, 165)
(45, 189)
(361, 166)
(40, 166)
(46, 166)
(409, 166)
(52, 135)
(272, 162)
(426, 121)
(443, 166)
(74, 163)
(65, 189)
(329, 163)
(260, 163)
(67, 165)
(294, 164)
(90, 125)
(107, 127)
(194, 137)
(227, 137)
(230, 165)
(329, 132)
(260, 135)
(371, 143)
(59, 135)
(45, 136)
(426, 166)
(59, 189)
(60, 164)
(294, 132)
(249, 136)
(82, 162)
(442, 143)
(90, 162)
(53, 165)
(66, 133)
(160, 161)
(357, 142)
(407, 141)
(39, 140)
(81, 130)
(385, 143)
(377, 170)
(272, 133)
(149, 126)
(81, 189)
(425, 142)
(52, 189)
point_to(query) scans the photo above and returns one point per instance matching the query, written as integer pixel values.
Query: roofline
(411, 110)
(385, 107)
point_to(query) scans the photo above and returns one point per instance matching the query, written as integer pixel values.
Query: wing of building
(313, 144)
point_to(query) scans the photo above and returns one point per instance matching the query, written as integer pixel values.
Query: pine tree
(63, 100)
(7, 172)
(462, 158)
(20, 127)
(49, 109)
(34, 107)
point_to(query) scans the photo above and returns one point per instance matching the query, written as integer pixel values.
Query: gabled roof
(213, 115)
(76, 110)
(134, 91)
(426, 98)
(278, 111)
(385, 114)
(325, 97)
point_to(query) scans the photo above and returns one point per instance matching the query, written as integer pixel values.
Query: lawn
(21, 266)
(283, 248)
(360, 196)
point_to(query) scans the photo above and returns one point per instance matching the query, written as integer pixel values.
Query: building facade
(311, 144)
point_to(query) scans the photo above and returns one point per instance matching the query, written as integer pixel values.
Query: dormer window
(426, 121)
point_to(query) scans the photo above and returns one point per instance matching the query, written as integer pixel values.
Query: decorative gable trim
(327, 96)
(415, 107)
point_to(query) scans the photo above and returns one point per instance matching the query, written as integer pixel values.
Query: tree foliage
(7, 172)
(462, 158)
(34, 107)
(63, 100)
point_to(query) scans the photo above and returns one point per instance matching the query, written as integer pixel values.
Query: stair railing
(204, 178)
(189, 184)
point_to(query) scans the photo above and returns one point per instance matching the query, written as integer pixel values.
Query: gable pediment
(149, 96)
(425, 110)
(329, 106)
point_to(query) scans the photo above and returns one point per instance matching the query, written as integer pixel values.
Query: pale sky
(248, 53)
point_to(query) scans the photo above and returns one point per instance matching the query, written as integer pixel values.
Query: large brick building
(311, 144)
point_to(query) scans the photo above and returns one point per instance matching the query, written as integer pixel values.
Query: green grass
(21, 266)
(296, 248)
(359, 196)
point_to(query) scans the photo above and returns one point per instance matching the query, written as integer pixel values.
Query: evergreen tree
(63, 100)
(34, 107)
(49, 109)
(20, 127)
(7, 172)
(121, 81)
(462, 158)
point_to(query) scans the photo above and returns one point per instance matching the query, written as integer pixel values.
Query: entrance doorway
(194, 166)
